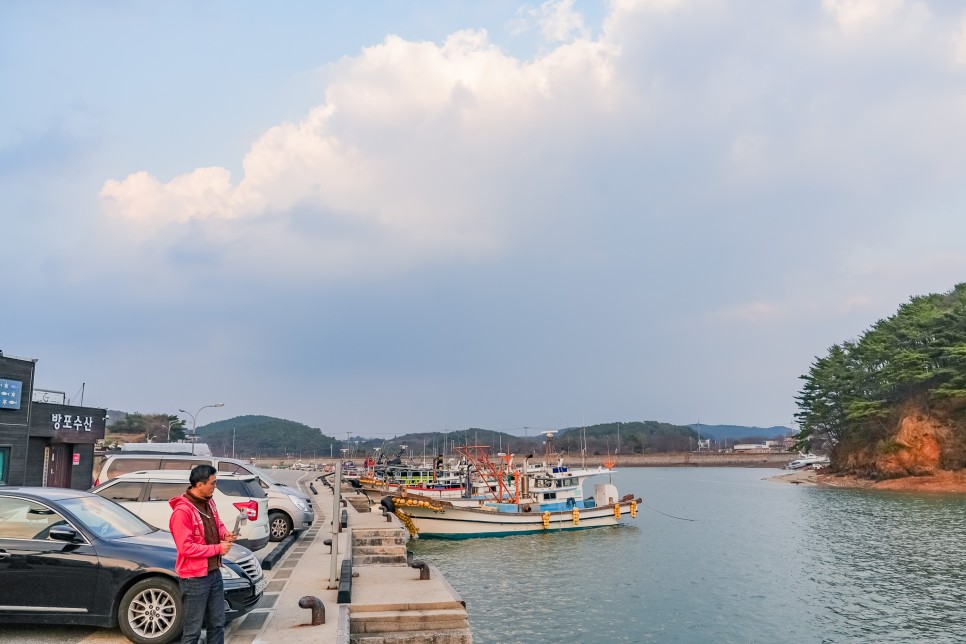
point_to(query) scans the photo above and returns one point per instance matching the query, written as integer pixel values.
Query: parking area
(10, 633)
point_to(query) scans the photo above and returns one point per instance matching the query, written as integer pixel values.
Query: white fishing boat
(541, 500)
(806, 461)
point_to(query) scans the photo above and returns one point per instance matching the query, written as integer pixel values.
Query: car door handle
(4, 554)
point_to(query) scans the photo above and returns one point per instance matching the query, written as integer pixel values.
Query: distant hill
(266, 436)
(262, 436)
(741, 432)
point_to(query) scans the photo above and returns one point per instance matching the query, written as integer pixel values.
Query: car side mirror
(62, 533)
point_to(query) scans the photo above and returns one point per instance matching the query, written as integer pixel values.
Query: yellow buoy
(546, 519)
(576, 514)
(617, 510)
(634, 509)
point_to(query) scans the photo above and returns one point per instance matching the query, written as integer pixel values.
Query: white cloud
(416, 143)
(427, 152)
(860, 16)
(959, 43)
(558, 21)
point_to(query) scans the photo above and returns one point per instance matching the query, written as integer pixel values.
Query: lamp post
(194, 422)
(170, 423)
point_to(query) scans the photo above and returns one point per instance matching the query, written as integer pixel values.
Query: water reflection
(761, 562)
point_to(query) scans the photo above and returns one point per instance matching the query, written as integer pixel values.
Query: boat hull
(465, 523)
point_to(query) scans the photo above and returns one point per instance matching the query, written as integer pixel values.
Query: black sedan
(71, 557)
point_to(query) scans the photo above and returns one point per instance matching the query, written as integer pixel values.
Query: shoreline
(943, 482)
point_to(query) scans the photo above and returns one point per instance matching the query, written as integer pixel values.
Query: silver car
(289, 509)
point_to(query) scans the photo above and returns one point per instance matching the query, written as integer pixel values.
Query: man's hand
(232, 537)
(225, 547)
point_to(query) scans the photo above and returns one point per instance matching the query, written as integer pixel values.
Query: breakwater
(669, 459)
(689, 459)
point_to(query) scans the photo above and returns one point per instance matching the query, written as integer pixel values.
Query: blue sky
(396, 216)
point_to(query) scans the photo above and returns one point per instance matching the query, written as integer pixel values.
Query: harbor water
(758, 561)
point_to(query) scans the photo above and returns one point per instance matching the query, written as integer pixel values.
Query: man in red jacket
(201, 539)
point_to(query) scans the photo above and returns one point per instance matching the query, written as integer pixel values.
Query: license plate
(260, 585)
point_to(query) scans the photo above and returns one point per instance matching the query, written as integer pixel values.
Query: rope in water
(666, 514)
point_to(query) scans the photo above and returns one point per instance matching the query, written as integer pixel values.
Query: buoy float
(634, 509)
(617, 510)
(576, 514)
(546, 519)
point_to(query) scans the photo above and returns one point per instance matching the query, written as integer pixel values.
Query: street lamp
(194, 422)
(170, 423)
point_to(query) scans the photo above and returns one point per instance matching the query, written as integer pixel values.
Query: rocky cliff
(922, 442)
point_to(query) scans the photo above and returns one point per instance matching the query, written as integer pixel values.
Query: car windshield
(105, 518)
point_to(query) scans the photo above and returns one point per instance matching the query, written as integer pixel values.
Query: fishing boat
(538, 500)
(808, 461)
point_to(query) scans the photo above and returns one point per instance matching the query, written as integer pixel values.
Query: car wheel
(279, 526)
(150, 612)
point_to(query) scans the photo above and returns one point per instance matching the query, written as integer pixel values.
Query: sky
(397, 216)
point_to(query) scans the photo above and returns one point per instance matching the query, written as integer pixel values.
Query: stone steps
(379, 547)
(440, 626)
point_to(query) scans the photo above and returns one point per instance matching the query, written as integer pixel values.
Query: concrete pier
(389, 600)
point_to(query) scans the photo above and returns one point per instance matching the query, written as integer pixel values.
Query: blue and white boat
(532, 500)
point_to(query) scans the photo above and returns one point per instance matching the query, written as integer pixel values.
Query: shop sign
(76, 459)
(10, 394)
(67, 421)
(53, 397)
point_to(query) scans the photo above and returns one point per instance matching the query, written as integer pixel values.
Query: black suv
(71, 557)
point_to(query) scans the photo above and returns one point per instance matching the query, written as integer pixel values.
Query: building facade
(44, 441)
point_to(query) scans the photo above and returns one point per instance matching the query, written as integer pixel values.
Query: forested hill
(267, 436)
(893, 402)
(635, 437)
(742, 433)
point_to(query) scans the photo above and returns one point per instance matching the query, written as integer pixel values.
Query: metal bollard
(312, 487)
(422, 566)
(328, 542)
(318, 608)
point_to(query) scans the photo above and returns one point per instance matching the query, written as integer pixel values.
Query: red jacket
(189, 535)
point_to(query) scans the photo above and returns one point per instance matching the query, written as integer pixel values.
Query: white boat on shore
(812, 461)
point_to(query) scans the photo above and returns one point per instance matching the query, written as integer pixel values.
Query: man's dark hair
(200, 474)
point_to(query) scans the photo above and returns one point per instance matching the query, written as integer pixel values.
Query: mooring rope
(666, 514)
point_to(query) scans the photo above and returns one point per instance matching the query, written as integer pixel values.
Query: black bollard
(318, 608)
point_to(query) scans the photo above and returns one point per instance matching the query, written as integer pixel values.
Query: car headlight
(299, 502)
(228, 573)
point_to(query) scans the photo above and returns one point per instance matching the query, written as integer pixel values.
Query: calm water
(761, 562)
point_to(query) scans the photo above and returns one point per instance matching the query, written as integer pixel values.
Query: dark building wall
(34, 474)
(82, 474)
(14, 422)
(50, 428)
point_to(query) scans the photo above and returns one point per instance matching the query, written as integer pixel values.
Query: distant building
(751, 447)
(44, 441)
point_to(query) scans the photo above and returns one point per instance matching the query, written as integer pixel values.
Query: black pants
(203, 597)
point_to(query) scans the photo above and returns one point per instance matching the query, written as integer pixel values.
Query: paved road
(11, 634)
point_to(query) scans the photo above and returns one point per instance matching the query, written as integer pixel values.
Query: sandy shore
(942, 482)
(796, 477)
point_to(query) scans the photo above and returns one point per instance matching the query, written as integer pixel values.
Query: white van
(241, 501)
(288, 508)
